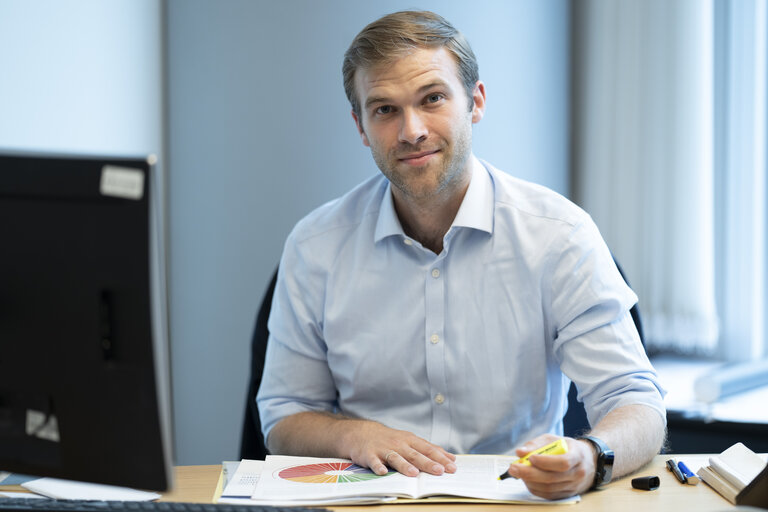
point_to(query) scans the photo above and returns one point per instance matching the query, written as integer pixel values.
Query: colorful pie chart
(329, 473)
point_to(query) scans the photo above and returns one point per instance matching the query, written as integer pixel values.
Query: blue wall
(260, 133)
(81, 76)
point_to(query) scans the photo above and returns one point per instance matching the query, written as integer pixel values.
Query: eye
(384, 109)
(434, 98)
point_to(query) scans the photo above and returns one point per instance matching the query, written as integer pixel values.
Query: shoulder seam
(340, 226)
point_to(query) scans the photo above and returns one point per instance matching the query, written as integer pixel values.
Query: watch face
(604, 467)
(605, 456)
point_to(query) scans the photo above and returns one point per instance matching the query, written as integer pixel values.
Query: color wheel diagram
(329, 473)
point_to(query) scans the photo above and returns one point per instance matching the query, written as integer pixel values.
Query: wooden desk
(198, 484)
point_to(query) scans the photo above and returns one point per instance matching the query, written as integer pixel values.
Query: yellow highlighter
(558, 447)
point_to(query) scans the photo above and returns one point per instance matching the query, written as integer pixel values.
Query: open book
(734, 471)
(309, 480)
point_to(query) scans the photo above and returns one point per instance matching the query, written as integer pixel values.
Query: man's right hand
(366, 443)
(373, 445)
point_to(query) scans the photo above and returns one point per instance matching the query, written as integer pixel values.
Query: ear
(360, 130)
(478, 95)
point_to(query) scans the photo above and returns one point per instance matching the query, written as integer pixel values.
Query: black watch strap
(604, 466)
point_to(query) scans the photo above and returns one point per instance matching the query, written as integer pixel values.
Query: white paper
(243, 482)
(272, 486)
(72, 490)
(354, 500)
(477, 477)
(305, 480)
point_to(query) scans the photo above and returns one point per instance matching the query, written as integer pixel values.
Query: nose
(413, 130)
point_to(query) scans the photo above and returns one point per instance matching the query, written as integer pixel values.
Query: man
(437, 308)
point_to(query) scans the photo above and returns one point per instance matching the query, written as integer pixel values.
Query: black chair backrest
(252, 445)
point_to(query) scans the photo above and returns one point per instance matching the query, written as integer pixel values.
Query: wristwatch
(605, 456)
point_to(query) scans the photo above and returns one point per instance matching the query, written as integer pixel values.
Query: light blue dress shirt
(471, 349)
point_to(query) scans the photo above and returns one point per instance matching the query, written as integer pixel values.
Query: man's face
(416, 118)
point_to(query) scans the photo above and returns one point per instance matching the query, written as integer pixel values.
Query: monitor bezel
(158, 302)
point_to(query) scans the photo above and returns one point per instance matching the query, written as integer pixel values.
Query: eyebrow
(424, 88)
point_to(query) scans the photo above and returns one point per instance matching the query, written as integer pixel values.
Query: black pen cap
(646, 483)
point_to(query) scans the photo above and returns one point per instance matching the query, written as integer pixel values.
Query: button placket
(435, 350)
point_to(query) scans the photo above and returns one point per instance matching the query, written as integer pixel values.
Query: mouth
(420, 158)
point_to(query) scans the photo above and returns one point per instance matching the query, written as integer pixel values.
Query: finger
(400, 464)
(551, 492)
(424, 463)
(533, 474)
(445, 459)
(381, 465)
(534, 443)
(555, 463)
(378, 467)
(448, 455)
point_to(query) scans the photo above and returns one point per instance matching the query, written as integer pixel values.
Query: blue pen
(690, 477)
(672, 466)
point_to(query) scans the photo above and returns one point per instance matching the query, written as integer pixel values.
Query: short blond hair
(398, 34)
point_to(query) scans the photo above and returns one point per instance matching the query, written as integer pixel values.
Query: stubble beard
(437, 178)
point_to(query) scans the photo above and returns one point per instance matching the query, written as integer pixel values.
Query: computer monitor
(84, 387)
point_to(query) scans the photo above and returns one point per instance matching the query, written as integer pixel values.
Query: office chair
(252, 444)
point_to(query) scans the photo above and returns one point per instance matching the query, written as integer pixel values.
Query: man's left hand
(556, 476)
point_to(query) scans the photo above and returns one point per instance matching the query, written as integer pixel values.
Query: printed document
(309, 480)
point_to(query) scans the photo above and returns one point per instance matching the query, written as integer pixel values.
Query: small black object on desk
(646, 483)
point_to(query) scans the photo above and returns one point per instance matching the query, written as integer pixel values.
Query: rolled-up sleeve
(596, 343)
(296, 375)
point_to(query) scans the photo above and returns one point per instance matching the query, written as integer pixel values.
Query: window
(740, 176)
(669, 137)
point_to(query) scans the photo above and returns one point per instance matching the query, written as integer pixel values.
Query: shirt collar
(476, 210)
(387, 224)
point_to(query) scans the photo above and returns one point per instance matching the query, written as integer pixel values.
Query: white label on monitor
(122, 182)
(44, 426)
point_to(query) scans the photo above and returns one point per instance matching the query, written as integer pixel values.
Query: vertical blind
(669, 112)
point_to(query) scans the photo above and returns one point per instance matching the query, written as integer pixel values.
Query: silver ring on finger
(388, 455)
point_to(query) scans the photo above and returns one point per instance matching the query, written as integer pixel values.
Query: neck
(428, 220)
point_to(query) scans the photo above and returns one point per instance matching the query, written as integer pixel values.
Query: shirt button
(434, 338)
(439, 398)
(407, 241)
(435, 273)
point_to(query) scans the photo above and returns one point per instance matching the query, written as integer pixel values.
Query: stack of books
(739, 475)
